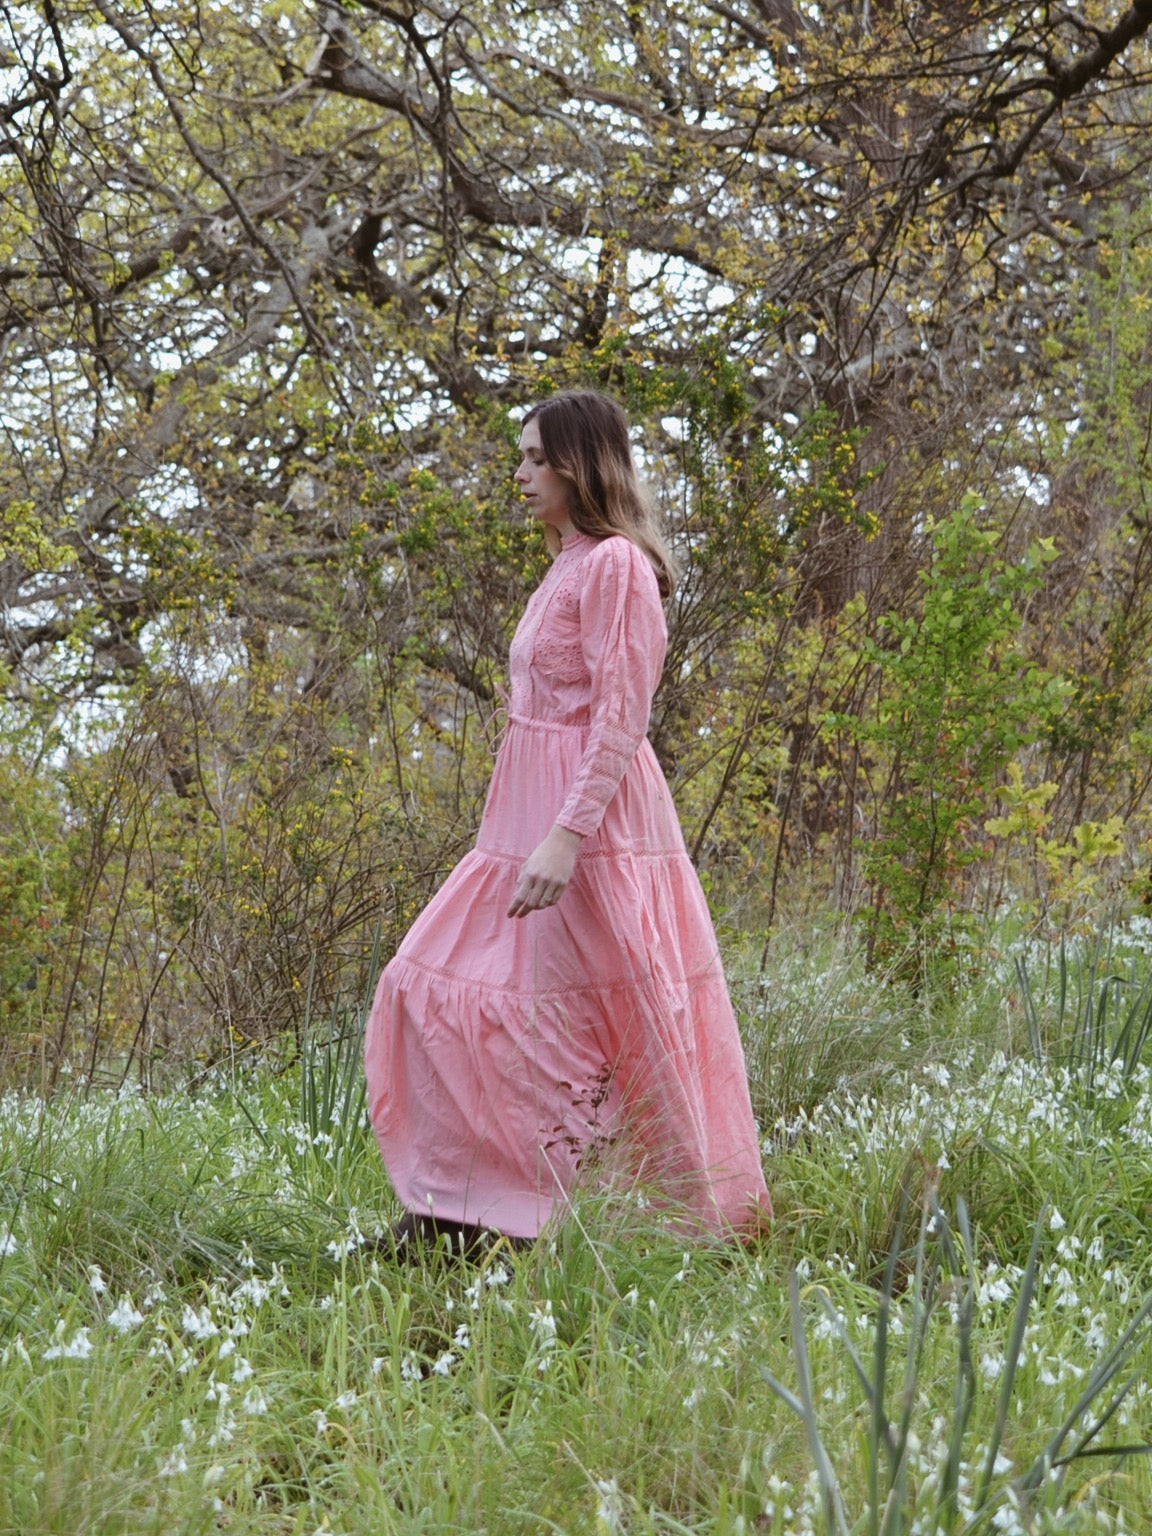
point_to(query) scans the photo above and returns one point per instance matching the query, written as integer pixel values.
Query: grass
(196, 1334)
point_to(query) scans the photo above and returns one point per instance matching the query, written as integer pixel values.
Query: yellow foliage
(24, 539)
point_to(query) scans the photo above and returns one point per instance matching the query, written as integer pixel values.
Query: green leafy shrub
(955, 697)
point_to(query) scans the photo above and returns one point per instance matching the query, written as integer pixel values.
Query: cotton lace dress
(510, 1059)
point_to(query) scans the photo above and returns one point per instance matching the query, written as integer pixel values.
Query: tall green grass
(945, 1331)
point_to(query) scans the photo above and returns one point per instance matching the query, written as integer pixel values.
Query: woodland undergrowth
(946, 1328)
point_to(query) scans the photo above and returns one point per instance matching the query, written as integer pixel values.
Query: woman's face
(547, 493)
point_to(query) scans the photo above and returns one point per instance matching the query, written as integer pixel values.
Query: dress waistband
(530, 723)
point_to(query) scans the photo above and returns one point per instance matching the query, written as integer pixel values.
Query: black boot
(416, 1233)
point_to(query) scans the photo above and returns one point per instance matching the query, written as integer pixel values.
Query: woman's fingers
(545, 873)
(532, 894)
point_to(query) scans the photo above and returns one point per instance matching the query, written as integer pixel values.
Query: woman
(560, 1003)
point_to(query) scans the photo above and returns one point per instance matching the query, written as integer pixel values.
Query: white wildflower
(78, 1347)
(610, 1509)
(242, 1371)
(225, 1430)
(199, 1324)
(124, 1315)
(828, 1326)
(778, 1489)
(254, 1289)
(544, 1326)
(17, 1348)
(1065, 1288)
(996, 1288)
(1118, 1279)
(8, 1243)
(96, 1280)
(255, 1401)
(1007, 1517)
(346, 1400)
(444, 1363)
(1096, 1334)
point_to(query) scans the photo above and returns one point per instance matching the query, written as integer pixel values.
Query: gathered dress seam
(587, 855)
(566, 990)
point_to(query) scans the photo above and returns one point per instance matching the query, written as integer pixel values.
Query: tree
(276, 279)
(232, 232)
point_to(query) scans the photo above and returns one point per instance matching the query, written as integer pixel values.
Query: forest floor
(948, 1327)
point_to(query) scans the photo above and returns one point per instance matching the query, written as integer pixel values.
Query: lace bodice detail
(548, 637)
(589, 652)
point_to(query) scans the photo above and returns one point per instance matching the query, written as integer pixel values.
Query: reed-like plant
(940, 1279)
(1101, 1014)
(333, 1090)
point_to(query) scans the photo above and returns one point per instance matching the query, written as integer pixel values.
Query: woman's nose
(519, 475)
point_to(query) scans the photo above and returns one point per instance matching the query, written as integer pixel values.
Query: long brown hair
(584, 438)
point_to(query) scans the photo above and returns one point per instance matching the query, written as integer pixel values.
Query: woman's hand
(546, 872)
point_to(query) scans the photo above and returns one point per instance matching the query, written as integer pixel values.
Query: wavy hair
(584, 438)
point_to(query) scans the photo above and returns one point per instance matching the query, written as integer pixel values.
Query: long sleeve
(623, 638)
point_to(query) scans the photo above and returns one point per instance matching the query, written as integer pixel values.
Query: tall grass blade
(1012, 1359)
(1062, 1000)
(1031, 1011)
(333, 1088)
(1103, 1373)
(1112, 1020)
(804, 1407)
(880, 1418)
(881, 1427)
(1119, 1451)
(1084, 1444)
(1132, 1036)
(789, 1399)
(964, 1395)
(923, 1294)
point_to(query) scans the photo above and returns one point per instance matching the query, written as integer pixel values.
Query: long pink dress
(508, 1059)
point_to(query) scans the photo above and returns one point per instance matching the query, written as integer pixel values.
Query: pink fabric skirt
(510, 1059)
